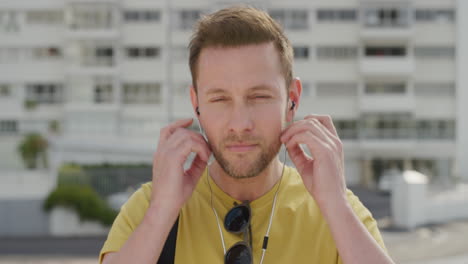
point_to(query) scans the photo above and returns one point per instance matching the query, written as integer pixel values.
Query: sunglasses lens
(238, 254)
(237, 219)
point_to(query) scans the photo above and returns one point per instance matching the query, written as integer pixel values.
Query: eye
(218, 99)
(260, 96)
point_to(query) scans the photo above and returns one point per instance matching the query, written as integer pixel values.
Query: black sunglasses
(237, 221)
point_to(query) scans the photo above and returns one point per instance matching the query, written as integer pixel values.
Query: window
(435, 129)
(294, 19)
(385, 88)
(336, 52)
(387, 126)
(386, 16)
(143, 52)
(325, 89)
(5, 90)
(142, 93)
(434, 89)
(44, 17)
(95, 53)
(142, 16)
(187, 18)
(434, 15)
(41, 53)
(336, 15)
(9, 22)
(133, 52)
(95, 16)
(434, 52)
(44, 93)
(104, 52)
(301, 52)
(346, 129)
(104, 55)
(103, 92)
(8, 126)
(297, 20)
(375, 51)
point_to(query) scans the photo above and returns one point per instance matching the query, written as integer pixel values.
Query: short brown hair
(237, 26)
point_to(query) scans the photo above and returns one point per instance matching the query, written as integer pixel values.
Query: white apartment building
(110, 73)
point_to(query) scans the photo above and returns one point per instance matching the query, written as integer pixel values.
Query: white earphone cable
(273, 206)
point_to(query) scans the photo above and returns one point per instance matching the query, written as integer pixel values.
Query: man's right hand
(172, 185)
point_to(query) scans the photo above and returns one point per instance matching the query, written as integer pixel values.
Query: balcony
(387, 133)
(403, 142)
(383, 22)
(91, 20)
(386, 66)
(386, 103)
(390, 33)
(91, 57)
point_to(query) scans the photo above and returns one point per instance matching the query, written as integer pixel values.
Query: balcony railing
(389, 133)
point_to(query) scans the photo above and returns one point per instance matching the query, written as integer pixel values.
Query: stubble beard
(246, 170)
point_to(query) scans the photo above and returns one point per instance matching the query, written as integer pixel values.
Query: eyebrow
(215, 91)
(260, 87)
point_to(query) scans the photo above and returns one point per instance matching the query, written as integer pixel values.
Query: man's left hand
(323, 173)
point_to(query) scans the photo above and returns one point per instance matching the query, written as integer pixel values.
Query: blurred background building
(100, 78)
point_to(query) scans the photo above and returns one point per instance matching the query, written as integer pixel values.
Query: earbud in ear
(293, 104)
(198, 111)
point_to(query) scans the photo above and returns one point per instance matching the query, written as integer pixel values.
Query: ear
(294, 94)
(194, 99)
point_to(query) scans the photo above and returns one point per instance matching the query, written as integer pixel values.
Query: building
(108, 74)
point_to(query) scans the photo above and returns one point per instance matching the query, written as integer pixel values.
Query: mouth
(241, 147)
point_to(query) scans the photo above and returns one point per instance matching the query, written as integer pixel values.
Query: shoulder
(128, 219)
(139, 199)
(145, 190)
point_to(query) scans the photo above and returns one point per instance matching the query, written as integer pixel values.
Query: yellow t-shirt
(299, 233)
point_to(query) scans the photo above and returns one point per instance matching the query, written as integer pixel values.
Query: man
(245, 207)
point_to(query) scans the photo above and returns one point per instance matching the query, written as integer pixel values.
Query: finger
(316, 146)
(190, 145)
(182, 136)
(298, 156)
(181, 133)
(196, 168)
(167, 131)
(308, 125)
(326, 120)
(323, 128)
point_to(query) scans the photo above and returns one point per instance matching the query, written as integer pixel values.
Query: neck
(248, 189)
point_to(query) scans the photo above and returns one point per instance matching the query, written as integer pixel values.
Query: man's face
(242, 104)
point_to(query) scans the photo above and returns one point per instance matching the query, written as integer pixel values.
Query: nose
(240, 120)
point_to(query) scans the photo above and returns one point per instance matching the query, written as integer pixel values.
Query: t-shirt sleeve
(130, 216)
(366, 218)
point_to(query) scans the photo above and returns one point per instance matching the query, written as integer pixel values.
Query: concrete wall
(65, 222)
(462, 89)
(23, 218)
(22, 194)
(414, 204)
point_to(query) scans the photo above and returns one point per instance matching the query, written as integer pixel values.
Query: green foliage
(54, 126)
(30, 104)
(31, 148)
(72, 174)
(82, 199)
